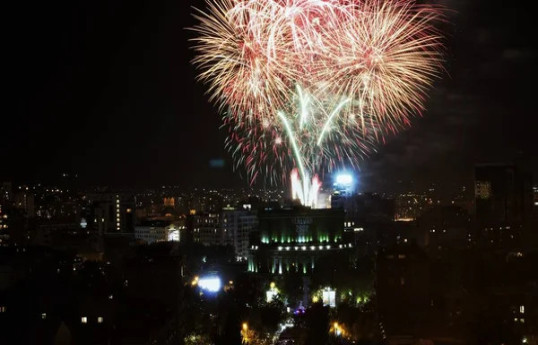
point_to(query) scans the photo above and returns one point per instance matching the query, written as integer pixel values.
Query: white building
(231, 227)
(208, 230)
(153, 231)
(237, 226)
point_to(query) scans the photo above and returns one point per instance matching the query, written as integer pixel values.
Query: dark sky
(105, 89)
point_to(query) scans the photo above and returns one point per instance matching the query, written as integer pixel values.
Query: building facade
(292, 240)
(238, 225)
(113, 213)
(154, 231)
(503, 198)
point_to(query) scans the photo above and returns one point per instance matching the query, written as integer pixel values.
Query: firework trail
(315, 84)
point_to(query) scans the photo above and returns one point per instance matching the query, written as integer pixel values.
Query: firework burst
(315, 84)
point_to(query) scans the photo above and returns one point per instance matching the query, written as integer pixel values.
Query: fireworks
(315, 84)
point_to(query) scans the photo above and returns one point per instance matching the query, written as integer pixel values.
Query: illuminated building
(231, 227)
(152, 231)
(291, 240)
(113, 212)
(207, 229)
(238, 226)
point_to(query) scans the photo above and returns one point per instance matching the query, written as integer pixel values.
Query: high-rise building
(113, 212)
(207, 229)
(238, 225)
(503, 200)
(503, 194)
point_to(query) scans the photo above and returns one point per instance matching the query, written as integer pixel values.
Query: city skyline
(122, 220)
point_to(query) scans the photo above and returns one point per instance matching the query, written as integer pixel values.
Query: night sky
(105, 89)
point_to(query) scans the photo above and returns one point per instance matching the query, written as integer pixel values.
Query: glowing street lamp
(245, 336)
(271, 293)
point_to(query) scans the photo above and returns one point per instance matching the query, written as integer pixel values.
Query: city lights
(269, 172)
(210, 283)
(329, 297)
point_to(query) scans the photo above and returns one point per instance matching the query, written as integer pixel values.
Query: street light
(337, 329)
(245, 338)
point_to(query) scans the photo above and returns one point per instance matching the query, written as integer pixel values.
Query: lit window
(522, 309)
(2, 309)
(43, 316)
(100, 319)
(84, 319)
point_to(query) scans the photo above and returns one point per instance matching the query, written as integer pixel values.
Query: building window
(522, 309)
(43, 316)
(100, 319)
(84, 319)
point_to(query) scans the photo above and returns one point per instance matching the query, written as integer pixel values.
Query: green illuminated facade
(291, 240)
